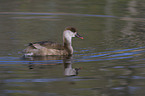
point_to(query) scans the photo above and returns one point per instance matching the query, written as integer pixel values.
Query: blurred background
(109, 61)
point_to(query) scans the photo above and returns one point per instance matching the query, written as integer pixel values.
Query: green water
(109, 61)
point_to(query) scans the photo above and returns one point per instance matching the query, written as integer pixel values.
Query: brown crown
(71, 29)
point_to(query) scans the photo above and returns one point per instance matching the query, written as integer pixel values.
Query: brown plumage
(45, 48)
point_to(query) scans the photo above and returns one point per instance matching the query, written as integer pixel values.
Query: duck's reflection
(68, 70)
(67, 62)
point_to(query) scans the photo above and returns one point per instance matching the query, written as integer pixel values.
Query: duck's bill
(77, 35)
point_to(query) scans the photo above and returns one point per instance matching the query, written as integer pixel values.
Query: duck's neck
(67, 44)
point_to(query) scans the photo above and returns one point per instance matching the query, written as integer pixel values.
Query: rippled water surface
(109, 61)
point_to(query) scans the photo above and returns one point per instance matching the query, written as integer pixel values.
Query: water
(109, 61)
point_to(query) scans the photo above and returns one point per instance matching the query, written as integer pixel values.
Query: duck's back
(44, 48)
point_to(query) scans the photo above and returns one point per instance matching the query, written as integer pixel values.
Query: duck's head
(70, 32)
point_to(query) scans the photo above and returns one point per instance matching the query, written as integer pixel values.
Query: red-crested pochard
(45, 48)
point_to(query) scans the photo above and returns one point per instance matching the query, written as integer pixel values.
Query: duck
(46, 48)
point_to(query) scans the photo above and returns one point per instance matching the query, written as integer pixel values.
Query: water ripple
(45, 14)
(112, 55)
(85, 57)
(48, 79)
